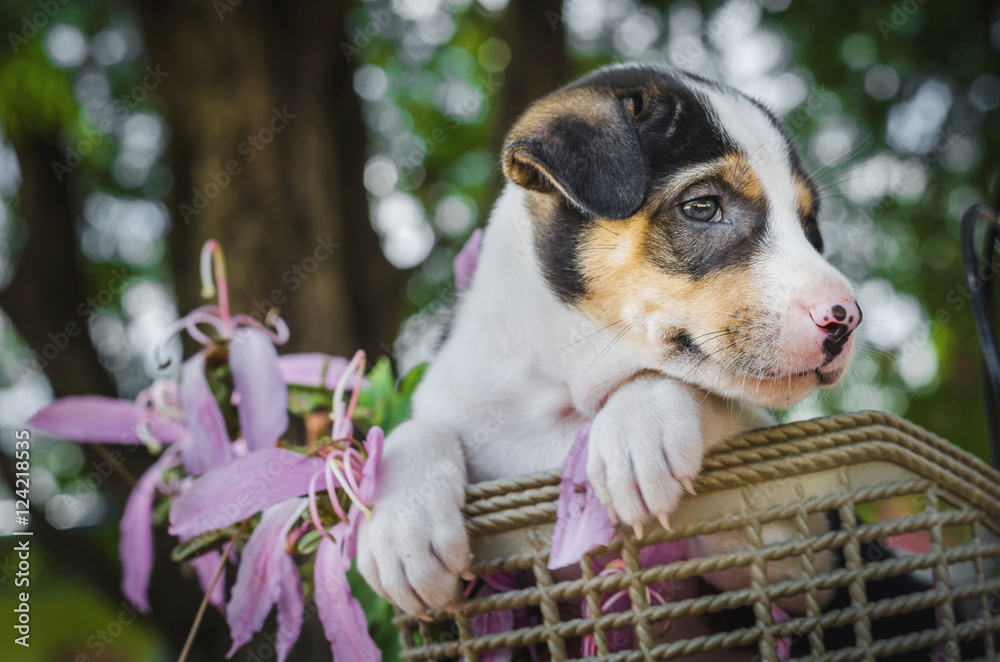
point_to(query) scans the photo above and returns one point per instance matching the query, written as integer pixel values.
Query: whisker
(714, 333)
(708, 356)
(604, 351)
(593, 334)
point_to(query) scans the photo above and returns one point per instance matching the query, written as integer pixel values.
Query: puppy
(654, 265)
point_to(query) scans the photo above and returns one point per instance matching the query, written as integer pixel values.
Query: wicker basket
(837, 464)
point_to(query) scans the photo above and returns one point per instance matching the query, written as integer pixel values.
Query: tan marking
(725, 313)
(804, 197)
(739, 173)
(734, 169)
(622, 283)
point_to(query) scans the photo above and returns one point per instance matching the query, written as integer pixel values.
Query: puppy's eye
(705, 210)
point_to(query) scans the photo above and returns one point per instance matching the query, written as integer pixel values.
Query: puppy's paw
(414, 557)
(645, 450)
(414, 548)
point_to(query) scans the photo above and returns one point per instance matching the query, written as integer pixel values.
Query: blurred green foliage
(431, 83)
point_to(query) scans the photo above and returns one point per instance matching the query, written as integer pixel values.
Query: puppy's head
(675, 210)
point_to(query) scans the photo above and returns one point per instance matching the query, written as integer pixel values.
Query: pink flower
(495, 622)
(218, 317)
(229, 480)
(87, 418)
(784, 645)
(261, 392)
(313, 369)
(465, 262)
(266, 573)
(341, 614)
(205, 567)
(136, 526)
(184, 413)
(207, 444)
(270, 480)
(582, 522)
(657, 593)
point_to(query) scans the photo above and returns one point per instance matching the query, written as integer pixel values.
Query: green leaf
(374, 400)
(384, 404)
(303, 400)
(410, 382)
(160, 512)
(309, 541)
(202, 543)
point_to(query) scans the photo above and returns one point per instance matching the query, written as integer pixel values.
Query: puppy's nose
(838, 319)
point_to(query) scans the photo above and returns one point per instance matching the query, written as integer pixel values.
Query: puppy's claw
(612, 515)
(467, 575)
(450, 608)
(637, 530)
(688, 484)
(424, 616)
(664, 521)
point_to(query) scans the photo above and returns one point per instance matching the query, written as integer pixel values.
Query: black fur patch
(811, 227)
(558, 243)
(600, 166)
(809, 220)
(675, 127)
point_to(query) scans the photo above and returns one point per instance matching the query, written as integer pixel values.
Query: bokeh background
(131, 132)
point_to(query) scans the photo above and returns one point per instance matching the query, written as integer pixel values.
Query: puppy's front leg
(645, 448)
(415, 546)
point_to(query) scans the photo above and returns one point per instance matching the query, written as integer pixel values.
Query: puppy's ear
(581, 143)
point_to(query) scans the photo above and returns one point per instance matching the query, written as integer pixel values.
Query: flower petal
(784, 645)
(258, 580)
(208, 445)
(369, 474)
(205, 566)
(263, 407)
(501, 582)
(663, 553)
(466, 260)
(494, 622)
(313, 369)
(237, 490)
(291, 608)
(582, 522)
(94, 418)
(136, 527)
(342, 616)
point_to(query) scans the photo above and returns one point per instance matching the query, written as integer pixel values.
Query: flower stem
(208, 593)
(103, 451)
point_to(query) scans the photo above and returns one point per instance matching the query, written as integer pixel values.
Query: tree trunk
(265, 93)
(267, 150)
(51, 283)
(538, 65)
